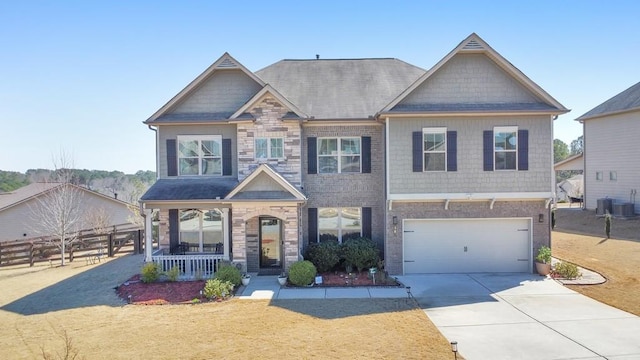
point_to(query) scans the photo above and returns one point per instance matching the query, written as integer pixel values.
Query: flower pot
(543, 269)
(282, 280)
(246, 280)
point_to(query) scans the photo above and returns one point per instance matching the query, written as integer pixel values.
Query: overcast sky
(81, 76)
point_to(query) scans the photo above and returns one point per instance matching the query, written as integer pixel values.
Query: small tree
(607, 223)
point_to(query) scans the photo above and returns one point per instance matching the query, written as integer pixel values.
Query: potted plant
(543, 261)
(282, 279)
(246, 278)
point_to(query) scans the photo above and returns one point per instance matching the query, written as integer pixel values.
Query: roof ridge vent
(227, 64)
(473, 44)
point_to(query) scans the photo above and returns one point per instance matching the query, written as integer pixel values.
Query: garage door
(462, 246)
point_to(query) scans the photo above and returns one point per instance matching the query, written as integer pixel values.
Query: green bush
(361, 253)
(567, 270)
(323, 255)
(173, 274)
(150, 272)
(544, 255)
(229, 273)
(302, 273)
(217, 289)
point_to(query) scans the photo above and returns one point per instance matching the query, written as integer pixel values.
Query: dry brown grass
(617, 260)
(236, 329)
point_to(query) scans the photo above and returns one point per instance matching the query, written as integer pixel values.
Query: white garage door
(462, 246)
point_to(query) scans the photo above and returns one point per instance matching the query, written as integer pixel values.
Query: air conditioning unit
(604, 205)
(624, 209)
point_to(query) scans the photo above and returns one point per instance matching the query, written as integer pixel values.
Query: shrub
(173, 274)
(607, 223)
(544, 255)
(229, 273)
(150, 272)
(323, 255)
(361, 253)
(217, 289)
(302, 273)
(567, 270)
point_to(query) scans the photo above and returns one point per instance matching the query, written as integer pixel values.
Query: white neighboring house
(16, 215)
(611, 152)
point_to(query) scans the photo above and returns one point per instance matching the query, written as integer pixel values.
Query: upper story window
(339, 224)
(339, 155)
(505, 141)
(200, 155)
(613, 176)
(598, 175)
(435, 149)
(269, 148)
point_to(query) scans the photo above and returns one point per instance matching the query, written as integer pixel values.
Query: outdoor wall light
(540, 217)
(454, 348)
(395, 224)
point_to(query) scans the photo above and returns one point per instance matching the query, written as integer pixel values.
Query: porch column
(148, 236)
(225, 232)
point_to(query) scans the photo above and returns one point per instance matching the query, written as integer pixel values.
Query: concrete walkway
(267, 287)
(523, 316)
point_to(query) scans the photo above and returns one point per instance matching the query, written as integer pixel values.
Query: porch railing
(192, 266)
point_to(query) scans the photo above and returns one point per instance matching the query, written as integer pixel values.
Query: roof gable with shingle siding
(340, 88)
(627, 100)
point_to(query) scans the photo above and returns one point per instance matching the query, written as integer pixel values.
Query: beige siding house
(18, 210)
(611, 152)
(254, 166)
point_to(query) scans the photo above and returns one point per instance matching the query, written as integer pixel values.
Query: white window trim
(199, 138)
(340, 228)
(200, 231)
(434, 130)
(339, 153)
(268, 139)
(499, 129)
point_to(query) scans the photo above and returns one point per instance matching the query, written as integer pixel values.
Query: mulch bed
(160, 293)
(343, 279)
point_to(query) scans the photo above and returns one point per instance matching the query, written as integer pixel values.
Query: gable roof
(225, 62)
(574, 162)
(473, 44)
(340, 88)
(288, 192)
(268, 89)
(33, 190)
(627, 100)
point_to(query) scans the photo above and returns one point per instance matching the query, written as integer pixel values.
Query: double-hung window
(339, 155)
(200, 155)
(435, 149)
(201, 230)
(269, 148)
(505, 141)
(339, 224)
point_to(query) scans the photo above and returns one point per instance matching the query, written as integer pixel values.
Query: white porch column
(225, 232)
(148, 236)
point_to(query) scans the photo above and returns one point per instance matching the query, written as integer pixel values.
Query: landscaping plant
(544, 255)
(150, 272)
(302, 273)
(567, 270)
(229, 273)
(173, 274)
(324, 255)
(607, 223)
(217, 289)
(360, 252)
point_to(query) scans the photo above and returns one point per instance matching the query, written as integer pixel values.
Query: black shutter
(172, 158)
(366, 222)
(366, 154)
(523, 149)
(487, 136)
(227, 167)
(313, 225)
(174, 230)
(312, 156)
(417, 151)
(452, 151)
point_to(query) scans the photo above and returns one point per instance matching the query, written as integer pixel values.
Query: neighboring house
(611, 152)
(574, 191)
(448, 170)
(18, 210)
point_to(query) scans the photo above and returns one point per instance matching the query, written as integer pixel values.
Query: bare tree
(57, 213)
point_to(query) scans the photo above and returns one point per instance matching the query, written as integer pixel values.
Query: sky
(80, 77)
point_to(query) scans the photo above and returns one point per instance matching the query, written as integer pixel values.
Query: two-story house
(448, 170)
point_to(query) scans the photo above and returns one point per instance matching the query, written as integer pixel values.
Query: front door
(270, 243)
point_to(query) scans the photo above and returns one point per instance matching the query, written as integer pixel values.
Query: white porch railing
(192, 266)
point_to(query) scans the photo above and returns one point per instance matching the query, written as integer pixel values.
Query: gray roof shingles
(626, 100)
(341, 88)
(189, 189)
(473, 107)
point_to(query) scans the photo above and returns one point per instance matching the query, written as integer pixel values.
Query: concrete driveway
(523, 316)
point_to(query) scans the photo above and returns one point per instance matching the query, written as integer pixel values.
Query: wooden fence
(89, 244)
